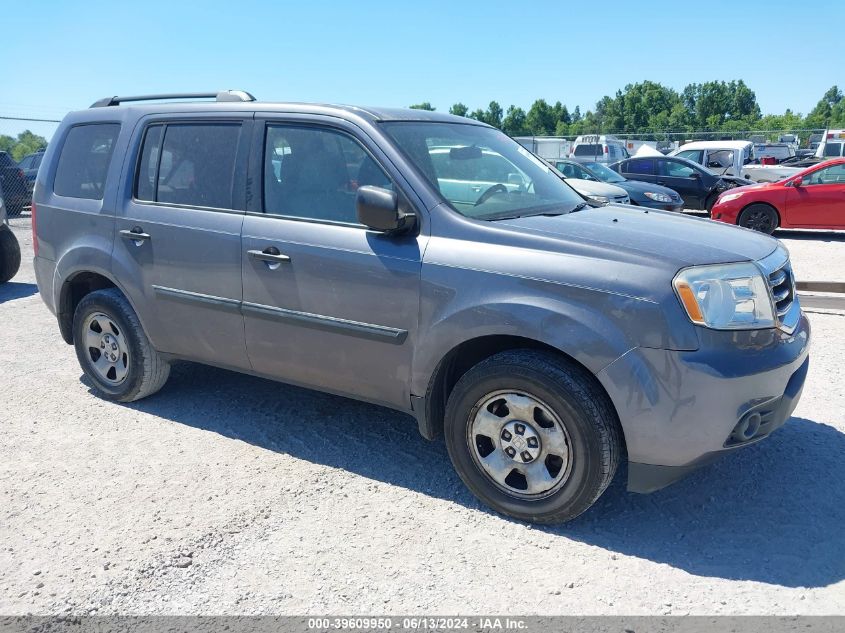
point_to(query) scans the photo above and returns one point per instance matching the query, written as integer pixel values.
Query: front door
(178, 243)
(685, 180)
(327, 303)
(820, 200)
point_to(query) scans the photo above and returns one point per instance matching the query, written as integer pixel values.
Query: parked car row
(813, 198)
(18, 194)
(10, 252)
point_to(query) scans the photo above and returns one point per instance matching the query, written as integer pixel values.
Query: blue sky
(63, 55)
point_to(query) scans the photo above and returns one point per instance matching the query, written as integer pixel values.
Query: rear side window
(833, 149)
(84, 161)
(639, 166)
(190, 164)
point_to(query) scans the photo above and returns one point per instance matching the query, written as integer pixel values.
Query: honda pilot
(324, 246)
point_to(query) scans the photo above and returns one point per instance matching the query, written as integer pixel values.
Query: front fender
(594, 327)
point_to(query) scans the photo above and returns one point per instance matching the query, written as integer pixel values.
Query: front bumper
(681, 409)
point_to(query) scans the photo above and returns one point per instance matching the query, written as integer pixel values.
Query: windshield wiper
(548, 214)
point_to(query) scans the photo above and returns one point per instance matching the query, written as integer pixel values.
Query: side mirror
(797, 182)
(378, 209)
(516, 179)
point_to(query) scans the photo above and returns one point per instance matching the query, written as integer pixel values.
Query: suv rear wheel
(113, 350)
(532, 435)
(10, 254)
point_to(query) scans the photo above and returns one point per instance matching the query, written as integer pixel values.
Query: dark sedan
(643, 194)
(698, 187)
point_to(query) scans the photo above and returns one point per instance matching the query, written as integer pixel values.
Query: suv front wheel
(532, 435)
(113, 349)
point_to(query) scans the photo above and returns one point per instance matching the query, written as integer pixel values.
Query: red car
(811, 199)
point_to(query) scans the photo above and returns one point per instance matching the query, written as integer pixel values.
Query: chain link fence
(22, 143)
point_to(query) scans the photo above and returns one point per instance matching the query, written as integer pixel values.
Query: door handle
(270, 255)
(137, 235)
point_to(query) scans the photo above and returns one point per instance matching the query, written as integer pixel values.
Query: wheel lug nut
(506, 435)
(510, 451)
(519, 429)
(532, 442)
(526, 456)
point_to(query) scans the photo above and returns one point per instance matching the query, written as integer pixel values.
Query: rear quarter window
(84, 160)
(639, 166)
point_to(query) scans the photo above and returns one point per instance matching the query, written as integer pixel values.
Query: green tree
(821, 115)
(25, 143)
(514, 123)
(493, 115)
(425, 105)
(540, 119)
(458, 109)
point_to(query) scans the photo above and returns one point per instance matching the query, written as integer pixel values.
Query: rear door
(643, 169)
(178, 248)
(327, 303)
(820, 200)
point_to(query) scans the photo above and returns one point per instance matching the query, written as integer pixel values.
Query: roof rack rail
(225, 95)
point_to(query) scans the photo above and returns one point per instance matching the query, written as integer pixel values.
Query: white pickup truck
(733, 158)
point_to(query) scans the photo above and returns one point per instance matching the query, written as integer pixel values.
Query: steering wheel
(492, 191)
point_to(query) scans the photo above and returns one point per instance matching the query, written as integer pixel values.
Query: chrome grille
(778, 273)
(782, 286)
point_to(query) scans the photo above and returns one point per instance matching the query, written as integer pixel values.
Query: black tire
(10, 254)
(759, 217)
(572, 393)
(147, 370)
(709, 202)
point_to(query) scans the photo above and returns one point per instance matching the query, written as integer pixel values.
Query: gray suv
(321, 245)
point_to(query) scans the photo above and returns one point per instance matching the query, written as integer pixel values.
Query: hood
(594, 188)
(648, 237)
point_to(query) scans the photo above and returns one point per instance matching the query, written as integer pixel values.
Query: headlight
(727, 197)
(602, 199)
(726, 296)
(658, 197)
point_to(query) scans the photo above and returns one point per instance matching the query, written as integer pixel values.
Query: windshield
(481, 172)
(604, 173)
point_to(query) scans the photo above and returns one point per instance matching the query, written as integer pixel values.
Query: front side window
(314, 173)
(84, 161)
(833, 175)
(190, 164)
(480, 172)
(677, 170)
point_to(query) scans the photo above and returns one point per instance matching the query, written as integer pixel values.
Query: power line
(17, 118)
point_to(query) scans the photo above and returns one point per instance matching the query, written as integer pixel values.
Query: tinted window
(589, 149)
(26, 161)
(84, 161)
(314, 173)
(832, 149)
(639, 166)
(196, 166)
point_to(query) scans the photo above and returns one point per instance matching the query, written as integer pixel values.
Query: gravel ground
(226, 494)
